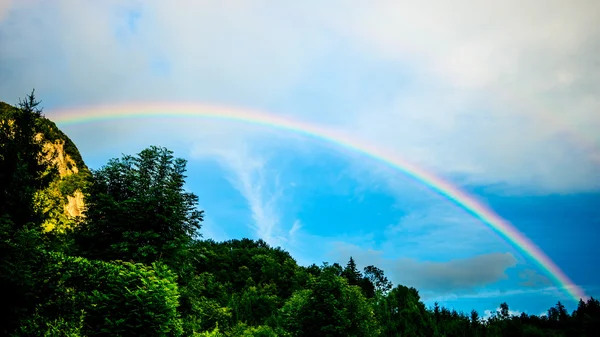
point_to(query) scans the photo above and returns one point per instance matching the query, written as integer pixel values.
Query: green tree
(587, 317)
(351, 273)
(255, 304)
(103, 298)
(377, 277)
(475, 323)
(23, 172)
(138, 210)
(328, 307)
(405, 314)
(504, 312)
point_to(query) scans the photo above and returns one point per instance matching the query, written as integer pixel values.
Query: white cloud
(212, 50)
(553, 292)
(295, 227)
(500, 92)
(474, 44)
(251, 173)
(488, 313)
(248, 176)
(507, 105)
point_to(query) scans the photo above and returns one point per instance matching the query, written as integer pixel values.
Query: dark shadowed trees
(22, 168)
(23, 172)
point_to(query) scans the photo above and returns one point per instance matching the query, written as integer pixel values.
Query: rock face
(74, 206)
(55, 154)
(64, 198)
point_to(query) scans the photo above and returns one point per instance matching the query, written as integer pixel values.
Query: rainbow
(85, 115)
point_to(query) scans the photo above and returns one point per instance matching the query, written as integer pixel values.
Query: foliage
(23, 171)
(328, 307)
(138, 210)
(104, 298)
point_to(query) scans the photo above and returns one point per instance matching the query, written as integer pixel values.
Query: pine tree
(351, 273)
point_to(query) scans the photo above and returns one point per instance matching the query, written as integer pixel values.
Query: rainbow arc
(93, 114)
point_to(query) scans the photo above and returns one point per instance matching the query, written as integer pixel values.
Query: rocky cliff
(64, 198)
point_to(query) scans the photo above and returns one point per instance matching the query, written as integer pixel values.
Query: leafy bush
(110, 298)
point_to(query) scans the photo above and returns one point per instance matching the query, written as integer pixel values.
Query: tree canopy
(138, 210)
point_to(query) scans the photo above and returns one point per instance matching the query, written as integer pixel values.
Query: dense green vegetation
(136, 265)
(64, 182)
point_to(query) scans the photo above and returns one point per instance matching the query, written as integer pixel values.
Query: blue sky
(498, 98)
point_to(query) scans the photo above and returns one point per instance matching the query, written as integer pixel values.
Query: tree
(587, 317)
(328, 307)
(504, 312)
(376, 277)
(137, 209)
(351, 273)
(407, 315)
(563, 315)
(553, 314)
(23, 172)
(255, 304)
(102, 298)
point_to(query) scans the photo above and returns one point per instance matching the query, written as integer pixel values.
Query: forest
(136, 264)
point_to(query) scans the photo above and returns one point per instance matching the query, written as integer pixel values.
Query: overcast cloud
(505, 92)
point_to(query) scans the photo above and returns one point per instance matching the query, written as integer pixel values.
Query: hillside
(63, 198)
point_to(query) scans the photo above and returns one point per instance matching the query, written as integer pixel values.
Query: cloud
(440, 227)
(5, 6)
(248, 175)
(552, 292)
(295, 227)
(532, 278)
(504, 92)
(433, 276)
(208, 51)
(258, 181)
(473, 44)
(493, 92)
(457, 274)
(488, 313)
(490, 293)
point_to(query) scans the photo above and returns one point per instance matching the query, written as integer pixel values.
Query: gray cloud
(432, 276)
(532, 279)
(459, 274)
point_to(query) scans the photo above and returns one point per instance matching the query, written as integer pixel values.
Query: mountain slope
(63, 199)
